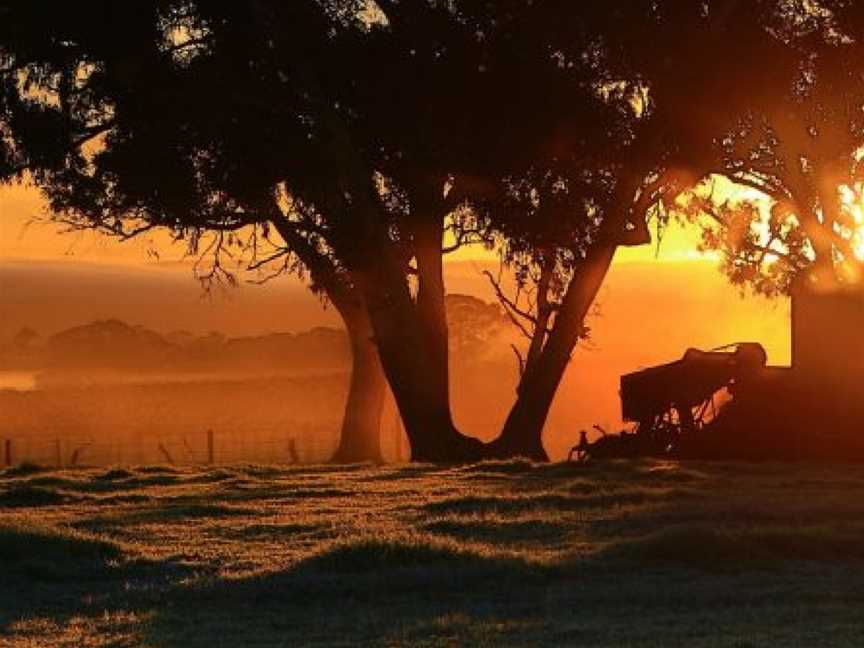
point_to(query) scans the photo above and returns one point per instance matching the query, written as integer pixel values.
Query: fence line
(306, 444)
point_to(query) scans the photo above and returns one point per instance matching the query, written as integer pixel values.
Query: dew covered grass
(641, 553)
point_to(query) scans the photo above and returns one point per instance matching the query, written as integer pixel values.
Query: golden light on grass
(496, 553)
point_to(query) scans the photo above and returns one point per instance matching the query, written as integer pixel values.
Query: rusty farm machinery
(728, 403)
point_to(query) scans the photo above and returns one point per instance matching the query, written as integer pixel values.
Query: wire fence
(303, 444)
(283, 443)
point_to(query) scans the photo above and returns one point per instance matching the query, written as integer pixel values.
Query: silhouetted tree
(800, 158)
(362, 137)
(141, 116)
(294, 117)
(664, 64)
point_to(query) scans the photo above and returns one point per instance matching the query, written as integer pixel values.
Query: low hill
(115, 346)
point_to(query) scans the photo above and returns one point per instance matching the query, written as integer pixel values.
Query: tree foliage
(799, 155)
(364, 132)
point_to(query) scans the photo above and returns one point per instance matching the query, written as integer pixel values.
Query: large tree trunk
(522, 434)
(361, 427)
(360, 440)
(414, 362)
(411, 335)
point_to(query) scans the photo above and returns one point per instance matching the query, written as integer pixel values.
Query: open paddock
(638, 553)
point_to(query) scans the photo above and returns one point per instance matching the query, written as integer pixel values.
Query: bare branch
(511, 309)
(322, 269)
(192, 42)
(520, 359)
(260, 263)
(772, 188)
(216, 274)
(465, 237)
(283, 269)
(137, 231)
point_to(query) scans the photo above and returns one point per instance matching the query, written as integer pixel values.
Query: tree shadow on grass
(369, 589)
(192, 508)
(400, 587)
(502, 532)
(63, 573)
(420, 590)
(548, 501)
(27, 496)
(416, 589)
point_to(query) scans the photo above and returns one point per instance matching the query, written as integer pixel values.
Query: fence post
(210, 451)
(164, 452)
(7, 453)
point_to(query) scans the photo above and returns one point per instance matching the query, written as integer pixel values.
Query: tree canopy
(799, 156)
(364, 133)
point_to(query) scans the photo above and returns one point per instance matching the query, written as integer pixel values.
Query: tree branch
(192, 42)
(464, 237)
(260, 263)
(86, 136)
(321, 268)
(508, 303)
(520, 359)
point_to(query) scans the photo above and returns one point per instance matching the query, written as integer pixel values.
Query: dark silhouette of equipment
(673, 399)
(580, 451)
(728, 403)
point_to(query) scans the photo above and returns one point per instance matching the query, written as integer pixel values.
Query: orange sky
(25, 235)
(651, 309)
(43, 258)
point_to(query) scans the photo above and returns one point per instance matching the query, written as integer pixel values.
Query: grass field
(617, 554)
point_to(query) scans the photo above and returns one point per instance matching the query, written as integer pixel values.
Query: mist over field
(430, 323)
(129, 356)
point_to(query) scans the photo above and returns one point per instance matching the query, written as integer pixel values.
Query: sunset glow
(853, 201)
(431, 323)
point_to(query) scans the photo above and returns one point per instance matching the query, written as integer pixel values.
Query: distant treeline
(112, 345)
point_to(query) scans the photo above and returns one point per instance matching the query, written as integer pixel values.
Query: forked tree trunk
(522, 434)
(360, 439)
(412, 343)
(423, 406)
(411, 335)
